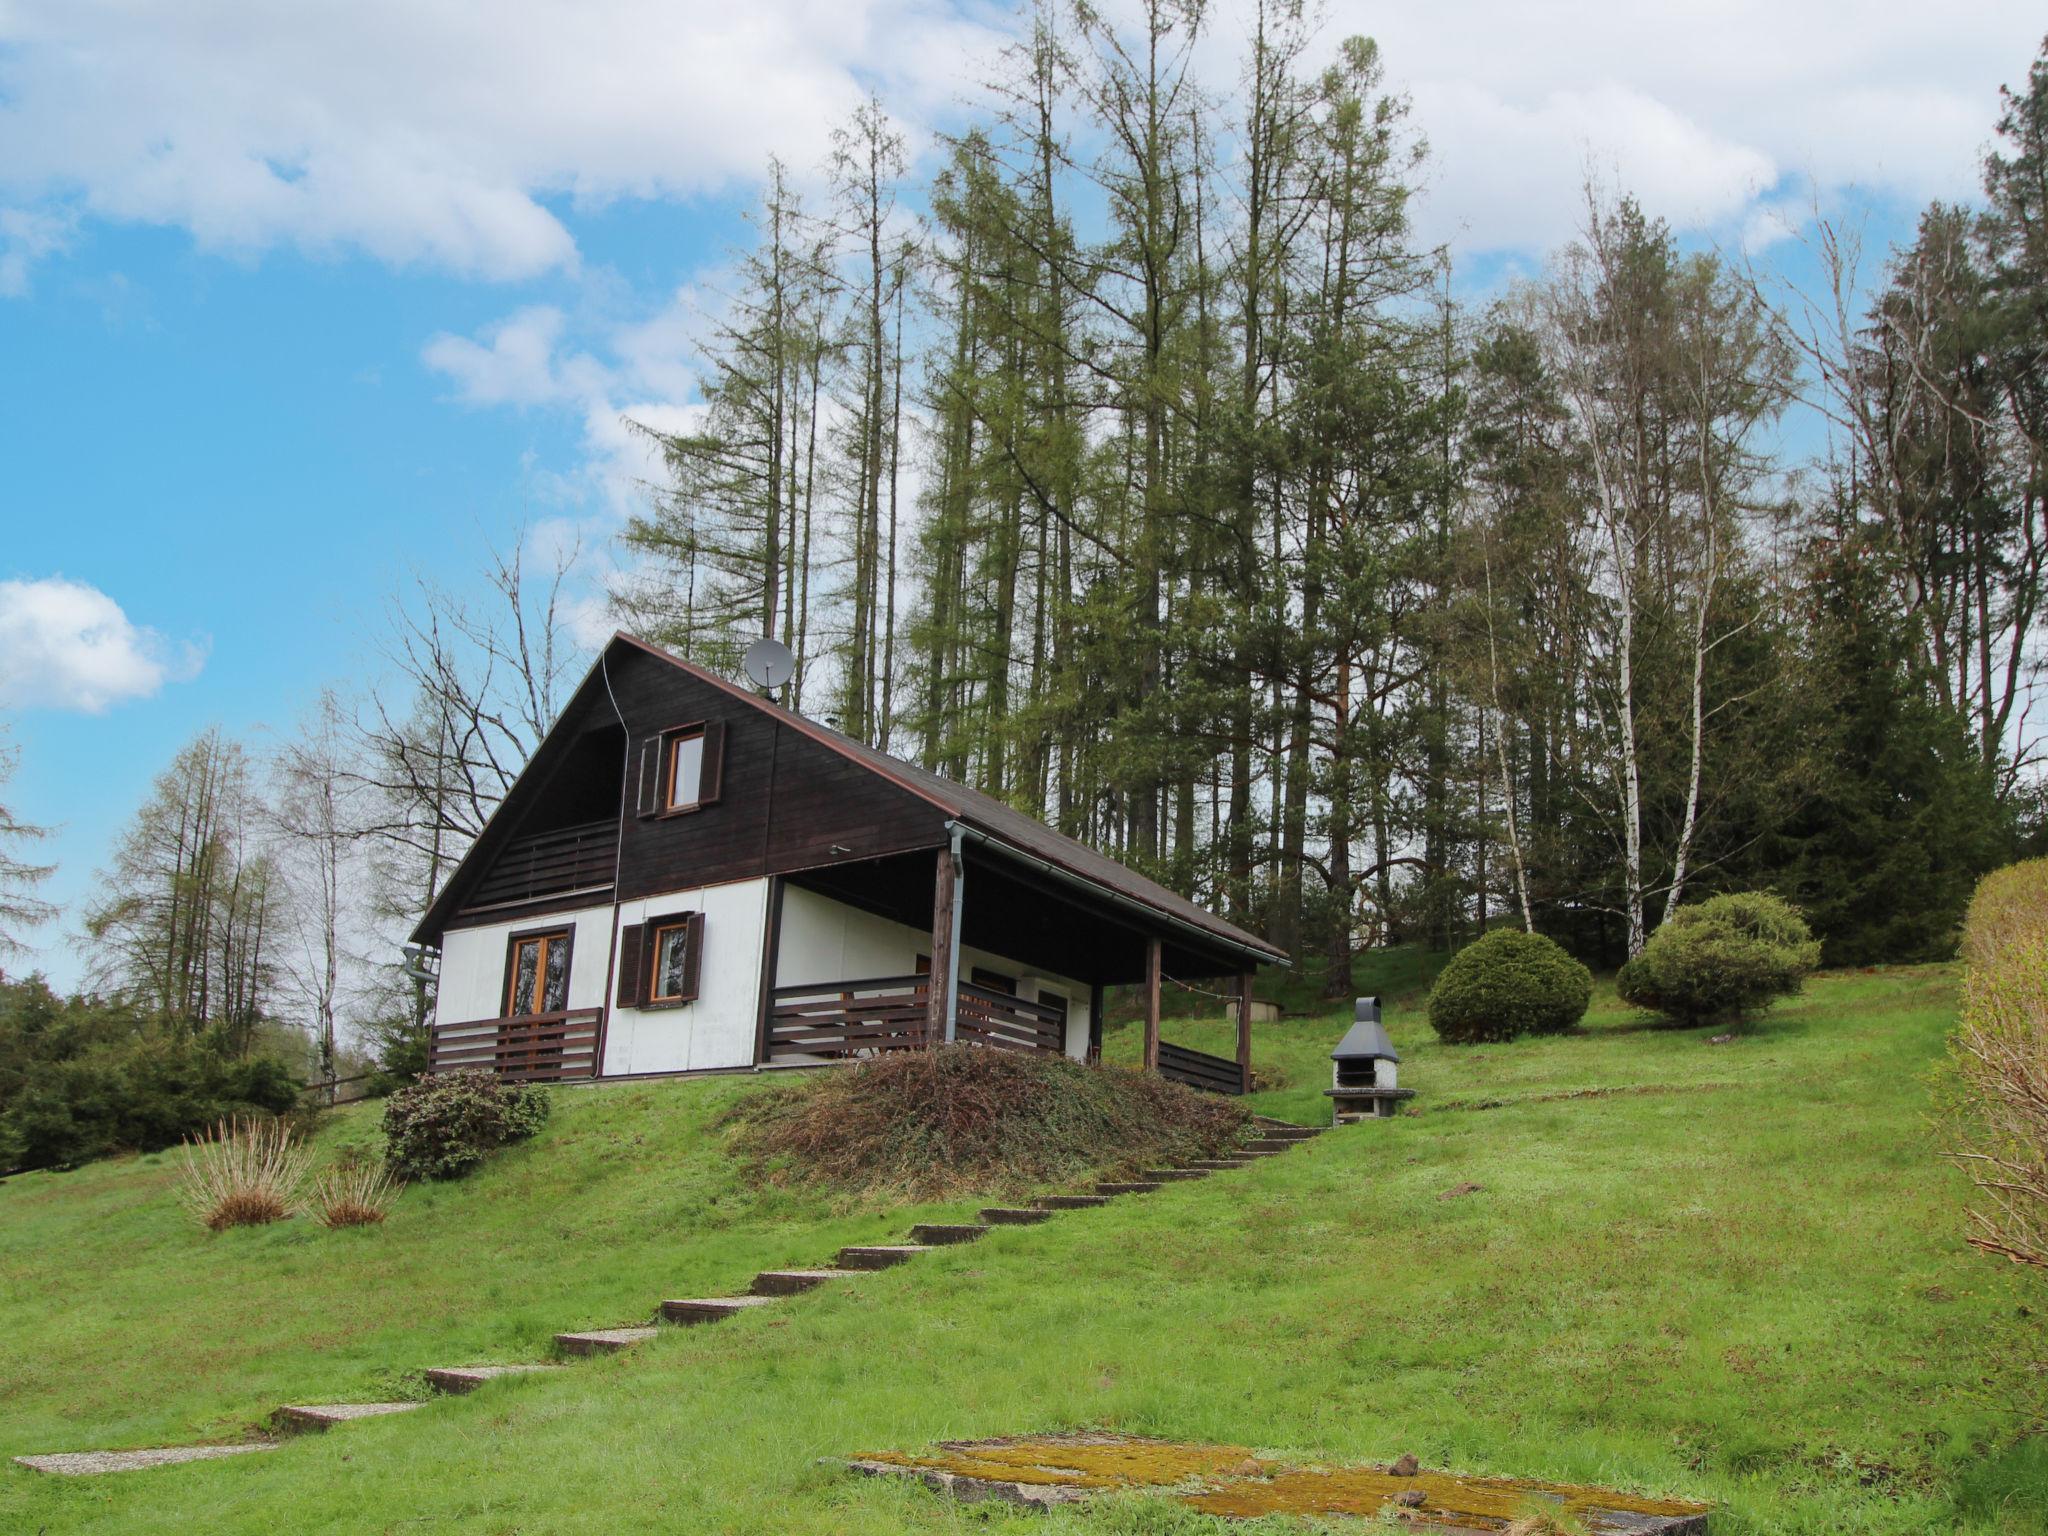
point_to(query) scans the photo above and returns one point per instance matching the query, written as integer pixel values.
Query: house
(688, 877)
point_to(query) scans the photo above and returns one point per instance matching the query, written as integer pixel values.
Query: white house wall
(472, 983)
(825, 940)
(718, 1028)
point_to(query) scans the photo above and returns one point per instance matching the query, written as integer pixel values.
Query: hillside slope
(1739, 1281)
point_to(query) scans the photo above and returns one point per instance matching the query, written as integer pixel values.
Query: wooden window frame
(671, 743)
(692, 932)
(640, 960)
(566, 932)
(658, 759)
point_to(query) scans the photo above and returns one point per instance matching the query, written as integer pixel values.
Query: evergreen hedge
(1509, 983)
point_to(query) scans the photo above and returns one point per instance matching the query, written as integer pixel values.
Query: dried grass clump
(246, 1173)
(1997, 1117)
(356, 1192)
(957, 1119)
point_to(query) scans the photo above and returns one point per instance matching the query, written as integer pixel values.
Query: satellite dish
(769, 663)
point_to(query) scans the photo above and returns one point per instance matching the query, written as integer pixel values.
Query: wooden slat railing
(536, 1048)
(1198, 1069)
(841, 1019)
(996, 1018)
(548, 864)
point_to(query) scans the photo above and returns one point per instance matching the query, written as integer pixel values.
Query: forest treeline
(1157, 481)
(1129, 456)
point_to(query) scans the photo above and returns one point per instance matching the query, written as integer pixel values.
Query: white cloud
(66, 645)
(454, 135)
(469, 137)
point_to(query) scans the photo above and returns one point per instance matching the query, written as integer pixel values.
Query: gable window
(681, 769)
(537, 973)
(659, 961)
(685, 770)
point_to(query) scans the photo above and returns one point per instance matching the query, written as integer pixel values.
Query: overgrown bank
(963, 1120)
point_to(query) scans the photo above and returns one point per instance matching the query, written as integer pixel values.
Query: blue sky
(297, 300)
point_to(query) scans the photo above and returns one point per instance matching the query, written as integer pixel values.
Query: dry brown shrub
(962, 1118)
(356, 1192)
(1997, 1118)
(245, 1173)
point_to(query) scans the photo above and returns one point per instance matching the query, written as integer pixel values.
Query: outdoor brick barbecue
(1363, 1081)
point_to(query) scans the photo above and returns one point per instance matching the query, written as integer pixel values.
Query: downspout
(953, 934)
(611, 947)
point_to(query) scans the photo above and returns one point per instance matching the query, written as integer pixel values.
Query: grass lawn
(1741, 1283)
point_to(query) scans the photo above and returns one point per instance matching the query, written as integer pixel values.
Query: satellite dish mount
(769, 665)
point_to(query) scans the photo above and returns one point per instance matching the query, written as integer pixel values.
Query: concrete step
(467, 1378)
(1013, 1216)
(1128, 1187)
(937, 1233)
(92, 1463)
(602, 1341)
(1174, 1175)
(793, 1282)
(319, 1416)
(873, 1256)
(1070, 1202)
(710, 1309)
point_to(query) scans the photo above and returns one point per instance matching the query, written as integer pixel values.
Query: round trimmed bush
(444, 1125)
(1722, 960)
(1509, 983)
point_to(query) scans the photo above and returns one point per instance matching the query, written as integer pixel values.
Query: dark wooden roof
(1000, 824)
(989, 815)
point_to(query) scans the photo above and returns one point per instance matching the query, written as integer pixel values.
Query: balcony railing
(840, 1020)
(543, 864)
(534, 1048)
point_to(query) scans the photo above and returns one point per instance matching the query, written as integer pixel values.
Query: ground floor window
(537, 973)
(671, 962)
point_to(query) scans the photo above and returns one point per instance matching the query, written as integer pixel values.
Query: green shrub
(1509, 983)
(1721, 961)
(85, 1076)
(443, 1126)
(2010, 908)
(1995, 1119)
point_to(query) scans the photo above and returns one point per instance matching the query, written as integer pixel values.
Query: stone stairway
(769, 1287)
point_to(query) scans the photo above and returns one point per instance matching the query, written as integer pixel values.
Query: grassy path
(1749, 1292)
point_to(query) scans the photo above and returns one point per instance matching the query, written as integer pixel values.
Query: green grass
(1742, 1284)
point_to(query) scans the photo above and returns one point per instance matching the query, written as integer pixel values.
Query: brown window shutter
(712, 774)
(650, 776)
(693, 955)
(632, 965)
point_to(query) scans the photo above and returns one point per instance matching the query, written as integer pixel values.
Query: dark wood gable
(772, 800)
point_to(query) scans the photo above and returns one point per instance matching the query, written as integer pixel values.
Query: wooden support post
(1244, 1033)
(940, 982)
(1151, 1005)
(1095, 1023)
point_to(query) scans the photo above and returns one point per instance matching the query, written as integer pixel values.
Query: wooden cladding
(845, 1019)
(543, 864)
(682, 769)
(534, 1048)
(661, 961)
(1198, 1069)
